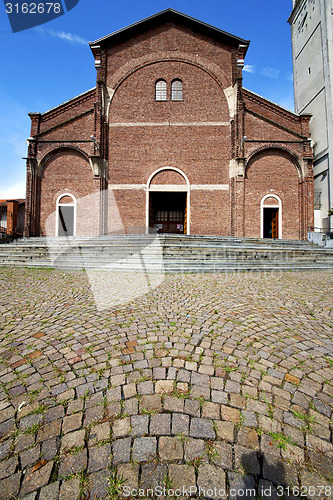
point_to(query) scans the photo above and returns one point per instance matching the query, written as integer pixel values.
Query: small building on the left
(12, 217)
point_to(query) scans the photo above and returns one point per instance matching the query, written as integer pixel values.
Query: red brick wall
(67, 172)
(272, 173)
(165, 39)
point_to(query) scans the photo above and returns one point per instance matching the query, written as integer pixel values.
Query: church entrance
(168, 212)
(271, 222)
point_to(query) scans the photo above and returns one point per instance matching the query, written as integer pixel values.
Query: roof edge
(164, 13)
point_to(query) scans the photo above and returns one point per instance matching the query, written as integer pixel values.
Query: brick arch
(62, 171)
(213, 70)
(166, 177)
(273, 173)
(283, 151)
(58, 151)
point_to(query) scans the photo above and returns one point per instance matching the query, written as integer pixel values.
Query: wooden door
(185, 216)
(275, 223)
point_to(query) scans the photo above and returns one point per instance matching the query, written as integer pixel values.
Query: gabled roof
(166, 16)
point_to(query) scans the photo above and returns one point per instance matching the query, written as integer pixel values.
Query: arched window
(177, 90)
(160, 90)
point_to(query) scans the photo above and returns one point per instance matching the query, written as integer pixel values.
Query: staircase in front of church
(166, 254)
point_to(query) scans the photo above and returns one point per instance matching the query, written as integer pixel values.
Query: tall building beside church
(311, 24)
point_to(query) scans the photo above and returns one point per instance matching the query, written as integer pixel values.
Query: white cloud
(68, 37)
(270, 72)
(13, 191)
(249, 68)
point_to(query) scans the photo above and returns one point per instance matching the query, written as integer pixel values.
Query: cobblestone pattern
(210, 380)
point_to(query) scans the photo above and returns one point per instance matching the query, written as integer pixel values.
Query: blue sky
(44, 66)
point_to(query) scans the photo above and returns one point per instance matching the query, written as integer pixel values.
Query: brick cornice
(266, 104)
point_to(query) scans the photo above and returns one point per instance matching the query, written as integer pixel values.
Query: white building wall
(311, 24)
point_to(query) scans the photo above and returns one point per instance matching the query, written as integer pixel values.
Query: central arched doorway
(168, 201)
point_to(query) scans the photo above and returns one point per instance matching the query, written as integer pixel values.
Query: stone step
(173, 253)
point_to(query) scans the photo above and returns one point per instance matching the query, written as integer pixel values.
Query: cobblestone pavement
(209, 381)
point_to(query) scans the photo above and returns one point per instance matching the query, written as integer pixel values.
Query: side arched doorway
(271, 217)
(66, 215)
(168, 202)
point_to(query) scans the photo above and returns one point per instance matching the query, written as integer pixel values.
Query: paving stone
(73, 463)
(70, 489)
(36, 479)
(129, 391)
(7, 428)
(278, 472)
(73, 406)
(99, 432)
(182, 476)
(121, 427)
(230, 414)
(180, 424)
(72, 440)
(55, 413)
(92, 415)
(195, 449)
(248, 437)
(113, 410)
(153, 475)
(10, 486)
(160, 424)
(131, 406)
(144, 449)
(192, 407)
(99, 457)
(171, 403)
(113, 394)
(145, 387)
(29, 457)
(24, 441)
(211, 477)
(72, 422)
(247, 460)
(8, 467)
(99, 484)
(224, 430)
(183, 375)
(219, 397)
(139, 425)
(121, 450)
(130, 475)
(240, 483)
(5, 448)
(198, 391)
(210, 410)
(50, 430)
(30, 421)
(50, 448)
(151, 403)
(170, 448)
(221, 454)
(50, 491)
(164, 386)
(201, 428)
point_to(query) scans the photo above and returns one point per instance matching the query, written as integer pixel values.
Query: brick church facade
(171, 139)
